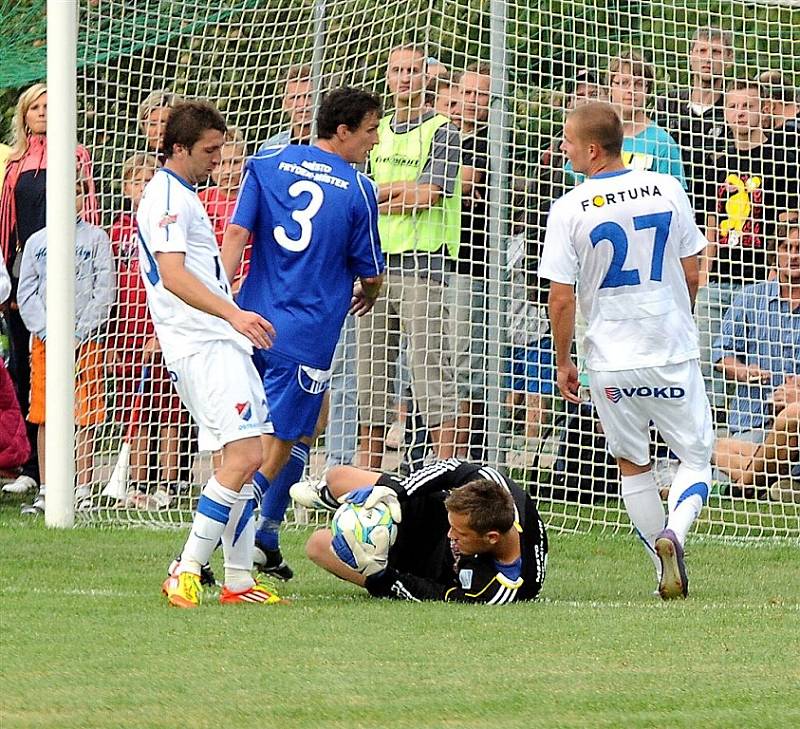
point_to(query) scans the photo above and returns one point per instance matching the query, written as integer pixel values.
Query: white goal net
(504, 72)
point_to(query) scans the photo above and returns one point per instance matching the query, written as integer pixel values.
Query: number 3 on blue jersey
(302, 216)
(615, 234)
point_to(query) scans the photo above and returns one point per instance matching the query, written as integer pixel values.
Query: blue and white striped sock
(687, 494)
(213, 512)
(237, 541)
(276, 499)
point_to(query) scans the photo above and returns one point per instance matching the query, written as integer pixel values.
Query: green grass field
(87, 641)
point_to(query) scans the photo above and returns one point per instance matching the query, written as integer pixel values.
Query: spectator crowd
(412, 375)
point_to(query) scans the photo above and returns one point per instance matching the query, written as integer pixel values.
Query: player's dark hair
(488, 506)
(598, 122)
(188, 121)
(346, 106)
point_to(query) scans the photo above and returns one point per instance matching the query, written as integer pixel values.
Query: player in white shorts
(207, 343)
(629, 241)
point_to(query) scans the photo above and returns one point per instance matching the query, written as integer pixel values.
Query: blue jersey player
(316, 255)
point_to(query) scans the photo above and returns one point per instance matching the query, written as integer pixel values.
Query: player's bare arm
(365, 294)
(691, 270)
(398, 198)
(471, 177)
(189, 289)
(233, 243)
(735, 369)
(561, 304)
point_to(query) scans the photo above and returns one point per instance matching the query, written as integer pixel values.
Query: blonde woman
(152, 118)
(23, 213)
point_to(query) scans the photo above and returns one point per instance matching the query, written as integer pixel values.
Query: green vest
(402, 157)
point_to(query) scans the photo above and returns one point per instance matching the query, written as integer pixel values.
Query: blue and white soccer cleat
(674, 582)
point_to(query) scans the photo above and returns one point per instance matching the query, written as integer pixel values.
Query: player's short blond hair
(413, 48)
(598, 122)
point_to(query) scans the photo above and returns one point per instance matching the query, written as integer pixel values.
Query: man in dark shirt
(467, 534)
(752, 180)
(467, 289)
(695, 116)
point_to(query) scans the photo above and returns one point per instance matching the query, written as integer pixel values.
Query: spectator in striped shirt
(759, 349)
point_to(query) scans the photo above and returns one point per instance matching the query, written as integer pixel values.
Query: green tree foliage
(236, 52)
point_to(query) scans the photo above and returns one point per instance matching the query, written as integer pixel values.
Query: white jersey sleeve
(172, 219)
(692, 240)
(167, 224)
(559, 259)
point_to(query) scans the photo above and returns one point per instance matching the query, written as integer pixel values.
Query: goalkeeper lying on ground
(466, 533)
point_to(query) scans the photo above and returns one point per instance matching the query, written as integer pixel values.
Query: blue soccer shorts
(295, 393)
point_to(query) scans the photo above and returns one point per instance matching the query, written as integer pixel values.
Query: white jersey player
(207, 343)
(629, 241)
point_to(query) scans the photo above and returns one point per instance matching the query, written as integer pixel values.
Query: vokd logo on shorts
(615, 394)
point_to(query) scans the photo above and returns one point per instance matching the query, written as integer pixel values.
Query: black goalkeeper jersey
(422, 565)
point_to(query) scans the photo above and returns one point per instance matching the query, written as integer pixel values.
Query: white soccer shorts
(673, 397)
(222, 391)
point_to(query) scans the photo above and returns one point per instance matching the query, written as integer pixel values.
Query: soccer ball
(369, 526)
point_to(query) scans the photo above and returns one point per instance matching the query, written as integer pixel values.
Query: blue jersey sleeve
(245, 213)
(365, 255)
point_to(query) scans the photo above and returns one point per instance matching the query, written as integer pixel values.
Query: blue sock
(276, 497)
(260, 487)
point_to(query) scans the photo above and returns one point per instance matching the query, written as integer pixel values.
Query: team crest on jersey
(244, 409)
(167, 219)
(465, 578)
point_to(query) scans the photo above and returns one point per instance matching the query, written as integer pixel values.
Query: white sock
(688, 493)
(213, 512)
(643, 504)
(238, 541)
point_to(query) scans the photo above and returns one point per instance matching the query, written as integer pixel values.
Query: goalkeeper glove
(363, 558)
(370, 496)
